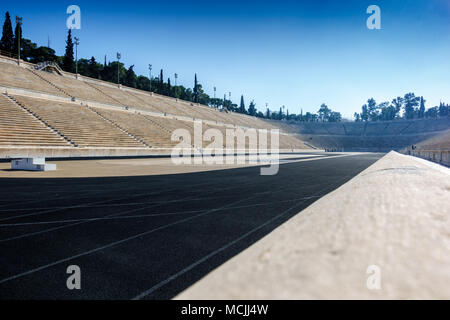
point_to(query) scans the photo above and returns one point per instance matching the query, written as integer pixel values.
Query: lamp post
(176, 84)
(150, 71)
(19, 23)
(77, 42)
(119, 56)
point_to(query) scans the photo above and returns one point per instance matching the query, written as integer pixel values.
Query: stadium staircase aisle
(80, 125)
(50, 83)
(19, 127)
(138, 126)
(96, 111)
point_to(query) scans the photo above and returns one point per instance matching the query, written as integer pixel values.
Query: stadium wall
(371, 136)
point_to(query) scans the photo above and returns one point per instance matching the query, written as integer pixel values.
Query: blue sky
(294, 53)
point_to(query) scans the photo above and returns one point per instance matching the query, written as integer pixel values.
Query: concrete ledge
(394, 215)
(75, 152)
(71, 152)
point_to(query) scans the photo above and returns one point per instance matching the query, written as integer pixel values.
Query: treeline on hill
(408, 107)
(112, 71)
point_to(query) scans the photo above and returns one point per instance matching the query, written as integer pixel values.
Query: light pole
(150, 70)
(176, 83)
(119, 56)
(19, 23)
(77, 42)
(215, 89)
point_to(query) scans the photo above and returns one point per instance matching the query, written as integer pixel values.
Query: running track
(147, 237)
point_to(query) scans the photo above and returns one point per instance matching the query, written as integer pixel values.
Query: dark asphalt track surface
(147, 237)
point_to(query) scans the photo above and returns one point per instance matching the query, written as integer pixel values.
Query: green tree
(130, 77)
(94, 69)
(109, 73)
(373, 109)
(422, 108)
(143, 83)
(69, 61)
(252, 109)
(410, 105)
(216, 103)
(364, 113)
(242, 106)
(28, 50)
(335, 117)
(161, 82)
(40, 54)
(195, 89)
(324, 112)
(7, 40)
(432, 112)
(388, 111)
(444, 110)
(169, 88)
(397, 103)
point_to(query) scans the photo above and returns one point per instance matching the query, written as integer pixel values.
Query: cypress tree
(69, 61)
(195, 89)
(242, 105)
(161, 82)
(7, 41)
(422, 108)
(169, 89)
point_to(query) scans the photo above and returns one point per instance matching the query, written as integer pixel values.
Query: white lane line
(112, 244)
(111, 215)
(53, 209)
(129, 211)
(148, 215)
(128, 204)
(74, 224)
